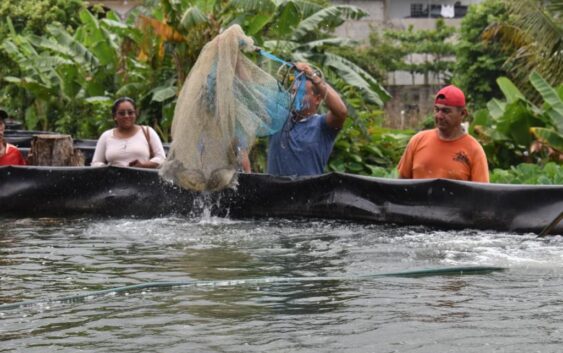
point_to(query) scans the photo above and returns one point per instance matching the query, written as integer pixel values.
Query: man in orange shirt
(447, 151)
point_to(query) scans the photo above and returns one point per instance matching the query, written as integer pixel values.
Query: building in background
(412, 93)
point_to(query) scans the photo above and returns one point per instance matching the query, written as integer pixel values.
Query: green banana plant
(34, 78)
(552, 134)
(311, 40)
(516, 130)
(70, 78)
(60, 72)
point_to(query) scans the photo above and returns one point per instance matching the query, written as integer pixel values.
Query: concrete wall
(421, 23)
(360, 29)
(409, 105)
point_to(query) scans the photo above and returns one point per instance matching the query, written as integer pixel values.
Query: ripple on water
(40, 259)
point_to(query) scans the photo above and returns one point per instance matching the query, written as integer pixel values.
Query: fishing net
(225, 103)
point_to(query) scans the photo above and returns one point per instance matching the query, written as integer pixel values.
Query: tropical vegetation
(529, 173)
(366, 146)
(64, 65)
(68, 78)
(514, 130)
(480, 62)
(532, 37)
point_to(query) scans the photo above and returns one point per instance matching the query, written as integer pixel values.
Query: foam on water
(470, 247)
(54, 258)
(453, 248)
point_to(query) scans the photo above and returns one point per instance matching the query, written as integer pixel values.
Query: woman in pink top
(128, 144)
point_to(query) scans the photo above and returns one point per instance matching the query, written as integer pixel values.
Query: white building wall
(393, 14)
(360, 29)
(402, 8)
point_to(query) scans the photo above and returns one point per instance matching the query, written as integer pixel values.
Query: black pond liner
(33, 191)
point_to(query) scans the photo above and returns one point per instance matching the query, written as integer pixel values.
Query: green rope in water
(448, 271)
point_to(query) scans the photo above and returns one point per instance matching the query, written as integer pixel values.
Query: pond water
(516, 310)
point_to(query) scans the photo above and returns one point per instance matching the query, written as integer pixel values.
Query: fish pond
(273, 285)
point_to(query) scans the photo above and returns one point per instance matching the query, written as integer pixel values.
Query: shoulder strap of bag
(148, 137)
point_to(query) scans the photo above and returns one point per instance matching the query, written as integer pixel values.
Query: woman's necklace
(124, 137)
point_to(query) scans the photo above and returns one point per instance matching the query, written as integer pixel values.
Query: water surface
(518, 310)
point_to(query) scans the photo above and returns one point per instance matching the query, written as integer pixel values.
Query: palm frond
(509, 35)
(25, 45)
(192, 17)
(22, 51)
(540, 25)
(131, 89)
(555, 6)
(534, 37)
(355, 76)
(50, 61)
(307, 7)
(14, 52)
(55, 47)
(77, 50)
(334, 42)
(280, 46)
(550, 97)
(42, 90)
(285, 18)
(329, 18)
(95, 36)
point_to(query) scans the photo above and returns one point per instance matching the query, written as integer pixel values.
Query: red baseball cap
(451, 96)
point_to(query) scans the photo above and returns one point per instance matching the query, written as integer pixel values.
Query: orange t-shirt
(427, 156)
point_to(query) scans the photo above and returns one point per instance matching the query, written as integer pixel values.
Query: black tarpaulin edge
(33, 191)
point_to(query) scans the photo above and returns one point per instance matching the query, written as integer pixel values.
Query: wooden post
(55, 150)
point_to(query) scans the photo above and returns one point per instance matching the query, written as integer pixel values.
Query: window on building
(418, 10)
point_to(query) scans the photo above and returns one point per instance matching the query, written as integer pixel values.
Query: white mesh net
(225, 102)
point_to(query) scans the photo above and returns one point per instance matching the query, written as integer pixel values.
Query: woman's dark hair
(3, 115)
(120, 100)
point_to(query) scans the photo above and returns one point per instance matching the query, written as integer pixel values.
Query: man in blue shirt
(304, 144)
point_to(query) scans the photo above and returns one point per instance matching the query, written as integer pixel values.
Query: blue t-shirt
(301, 148)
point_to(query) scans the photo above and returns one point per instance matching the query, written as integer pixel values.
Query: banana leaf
(549, 137)
(551, 98)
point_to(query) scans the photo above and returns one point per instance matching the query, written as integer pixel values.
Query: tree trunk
(55, 150)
